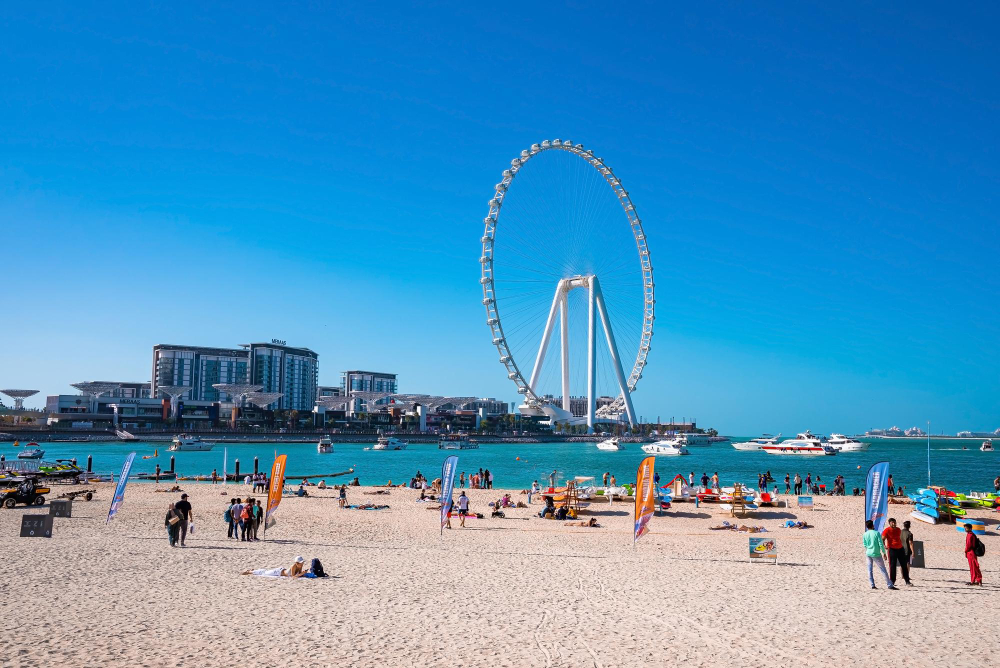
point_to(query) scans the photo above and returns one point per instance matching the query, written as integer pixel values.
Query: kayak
(927, 510)
(927, 499)
(952, 510)
(923, 491)
(917, 515)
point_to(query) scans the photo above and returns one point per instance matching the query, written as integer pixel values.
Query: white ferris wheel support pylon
(596, 308)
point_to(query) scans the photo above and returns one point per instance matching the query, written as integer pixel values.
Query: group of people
(897, 545)
(462, 503)
(244, 518)
(178, 520)
(481, 480)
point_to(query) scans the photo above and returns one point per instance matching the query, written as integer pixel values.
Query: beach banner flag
(447, 487)
(877, 495)
(116, 500)
(277, 484)
(645, 502)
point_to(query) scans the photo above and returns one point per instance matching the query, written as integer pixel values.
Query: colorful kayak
(917, 515)
(952, 510)
(923, 491)
(927, 510)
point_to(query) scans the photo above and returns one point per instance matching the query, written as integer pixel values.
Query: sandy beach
(516, 592)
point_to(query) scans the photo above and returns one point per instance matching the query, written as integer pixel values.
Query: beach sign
(277, 484)
(805, 502)
(447, 487)
(917, 560)
(36, 526)
(763, 548)
(116, 500)
(877, 495)
(645, 503)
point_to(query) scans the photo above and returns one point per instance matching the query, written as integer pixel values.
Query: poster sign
(806, 502)
(763, 548)
(36, 526)
(277, 485)
(917, 560)
(116, 500)
(877, 495)
(61, 508)
(644, 502)
(447, 487)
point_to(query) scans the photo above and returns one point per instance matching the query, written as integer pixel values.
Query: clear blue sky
(819, 186)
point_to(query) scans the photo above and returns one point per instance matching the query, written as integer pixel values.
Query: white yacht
(803, 444)
(186, 443)
(987, 446)
(757, 443)
(325, 445)
(389, 443)
(695, 440)
(841, 443)
(671, 447)
(457, 441)
(610, 444)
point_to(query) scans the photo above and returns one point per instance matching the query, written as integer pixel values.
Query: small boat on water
(325, 445)
(841, 443)
(31, 453)
(757, 443)
(693, 440)
(458, 441)
(803, 444)
(389, 443)
(987, 446)
(666, 448)
(187, 443)
(610, 444)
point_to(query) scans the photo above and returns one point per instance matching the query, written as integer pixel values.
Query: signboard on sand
(917, 561)
(36, 526)
(806, 502)
(763, 548)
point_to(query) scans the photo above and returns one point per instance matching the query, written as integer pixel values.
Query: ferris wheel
(568, 249)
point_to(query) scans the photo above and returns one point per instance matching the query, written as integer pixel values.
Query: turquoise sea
(951, 466)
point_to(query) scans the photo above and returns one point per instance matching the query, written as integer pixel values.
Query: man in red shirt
(892, 540)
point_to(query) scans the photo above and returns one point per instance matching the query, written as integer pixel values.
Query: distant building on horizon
(367, 381)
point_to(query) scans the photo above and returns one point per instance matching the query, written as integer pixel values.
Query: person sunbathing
(592, 522)
(297, 570)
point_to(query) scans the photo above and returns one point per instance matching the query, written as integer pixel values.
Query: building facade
(198, 367)
(294, 372)
(368, 381)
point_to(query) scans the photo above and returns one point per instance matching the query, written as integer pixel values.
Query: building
(492, 407)
(367, 381)
(129, 390)
(578, 405)
(294, 372)
(198, 367)
(328, 391)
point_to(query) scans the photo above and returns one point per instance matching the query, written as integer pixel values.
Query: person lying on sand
(592, 522)
(175, 488)
(297, 570)
(798, 525)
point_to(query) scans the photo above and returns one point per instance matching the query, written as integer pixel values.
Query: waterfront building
(329, 391)
(294, 372)
(198, 367)
(367, 381)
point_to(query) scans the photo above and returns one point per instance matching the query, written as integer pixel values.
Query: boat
(757, 443)
(186, 443)
(672, 447)
(325, 445)
(31, 453)
(803, 444)
(389, 443)
(987, 446)
(610, 444)
(692, 440)
(459, 441)
(842, 443)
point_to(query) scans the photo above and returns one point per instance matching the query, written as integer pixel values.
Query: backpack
(228, 515)
(316, 568)
(979, 548)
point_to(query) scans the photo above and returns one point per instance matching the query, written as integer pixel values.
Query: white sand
(507, 592)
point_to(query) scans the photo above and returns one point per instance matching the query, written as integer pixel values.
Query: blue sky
(818, 185)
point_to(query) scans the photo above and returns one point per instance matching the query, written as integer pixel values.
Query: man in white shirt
(463, 508)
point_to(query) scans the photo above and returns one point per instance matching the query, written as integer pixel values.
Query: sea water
(516, 465)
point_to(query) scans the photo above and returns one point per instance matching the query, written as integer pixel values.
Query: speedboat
(325, 445)
(31, 453)
(458, 441)
(610, 444)
(671, 447)
(389, 443)
(186, 443)
(842, 443)
(757, 443)
(803, 444)
(987, 446)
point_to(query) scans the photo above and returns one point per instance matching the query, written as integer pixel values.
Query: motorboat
(695, 440)
(757, 443)
(987, 446)
(842, 443)
(803, 444)
(671, 447)
(325, 445)
(458, 441)
(610, 444)
(187, 443)
(31, 453)
(389, 443)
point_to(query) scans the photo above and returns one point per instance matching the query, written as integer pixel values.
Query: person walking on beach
(892, 488)
(183, 508)
(173, 524)
(236, 511)
(972, 551)
(448, 508)
(788, 484)
(246, 514)
(798, 484)
(157, 474)
(875, 549)
(536, 488)
(342, 501)
(892, 538)
(809, 478)
(906, 537)
(228, 516)
(463, 507)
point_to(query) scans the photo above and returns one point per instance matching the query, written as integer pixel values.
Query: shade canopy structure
(95, 388)
(174, 392)
(19, 396)
(264, 399)
(238, 391)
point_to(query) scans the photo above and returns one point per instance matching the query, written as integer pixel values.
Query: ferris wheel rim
(493, 319)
